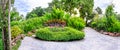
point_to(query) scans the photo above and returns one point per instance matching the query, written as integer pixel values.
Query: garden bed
(59, 34)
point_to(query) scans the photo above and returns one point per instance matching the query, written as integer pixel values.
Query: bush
(59, 34)
(100, 23)
(110, 24)
(15, 23)
(55, 14)
(33, 23)
(15, 31)
(76, 22)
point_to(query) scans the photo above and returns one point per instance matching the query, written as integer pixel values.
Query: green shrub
(15, 23)
(109, 24)
(59, 34)
(33, 23)
(15, 31)
(76, 22)
(55, 14)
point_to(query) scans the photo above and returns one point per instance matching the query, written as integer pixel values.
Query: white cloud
(102, 4)
(117, 5)
(24, 6)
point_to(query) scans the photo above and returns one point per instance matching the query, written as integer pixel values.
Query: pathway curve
(92, 41)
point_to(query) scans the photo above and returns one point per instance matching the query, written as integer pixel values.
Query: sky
(25, 6)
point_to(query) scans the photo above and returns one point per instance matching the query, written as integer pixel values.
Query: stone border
(110, 33)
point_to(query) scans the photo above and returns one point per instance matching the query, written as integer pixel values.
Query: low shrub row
(110, 24)
(59, 34)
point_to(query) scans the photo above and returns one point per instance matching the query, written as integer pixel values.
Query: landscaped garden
(64, 21)
(51, 27)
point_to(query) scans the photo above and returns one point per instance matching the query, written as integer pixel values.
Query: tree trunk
(5, 25)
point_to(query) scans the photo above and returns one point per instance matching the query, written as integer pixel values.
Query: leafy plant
(15, 31)
(15, 23)
(76, 22)
(33, 23)
(55, 14)
(59, 34)
(1, 42)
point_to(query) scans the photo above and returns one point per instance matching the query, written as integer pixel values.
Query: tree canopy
(37, 12)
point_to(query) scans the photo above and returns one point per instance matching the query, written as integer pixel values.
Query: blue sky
(24, 6)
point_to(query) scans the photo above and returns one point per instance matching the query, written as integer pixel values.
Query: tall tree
(109, 11)
(99, 10)
(5, 22)
(15, 15)
(85, 7)
(37, 12)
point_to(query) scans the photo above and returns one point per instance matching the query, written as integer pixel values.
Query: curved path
(92, 41)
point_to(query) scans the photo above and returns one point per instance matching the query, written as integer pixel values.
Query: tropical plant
(76, 23)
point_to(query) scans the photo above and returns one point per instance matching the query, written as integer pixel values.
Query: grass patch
(17, 45)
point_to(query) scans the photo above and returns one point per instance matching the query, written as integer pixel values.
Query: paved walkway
(92, 41)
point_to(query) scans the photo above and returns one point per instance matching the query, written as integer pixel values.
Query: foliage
(118, 17)
(76, 22)
(109, 22)
(15, 23)
(101, 24)
(59, 34)
(15, 15)
(99, 10)
(70, 5)
(1, 42)
(33, 23)
(109, 11)
(37, 12)
(15, 31)
(55, 14)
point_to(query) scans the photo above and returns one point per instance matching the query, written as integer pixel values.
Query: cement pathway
(92, 41)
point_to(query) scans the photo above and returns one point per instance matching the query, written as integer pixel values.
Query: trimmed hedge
(59, 34)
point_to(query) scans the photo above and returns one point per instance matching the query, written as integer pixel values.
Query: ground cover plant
(59, 33)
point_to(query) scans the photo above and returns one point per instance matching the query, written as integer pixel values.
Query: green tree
(99, 10)
(15, 15)
(85, 7)
(118, 17)
(109, 11)
(37, 12)
(5, 6)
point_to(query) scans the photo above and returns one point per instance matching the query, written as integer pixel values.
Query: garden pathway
(92, 41)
